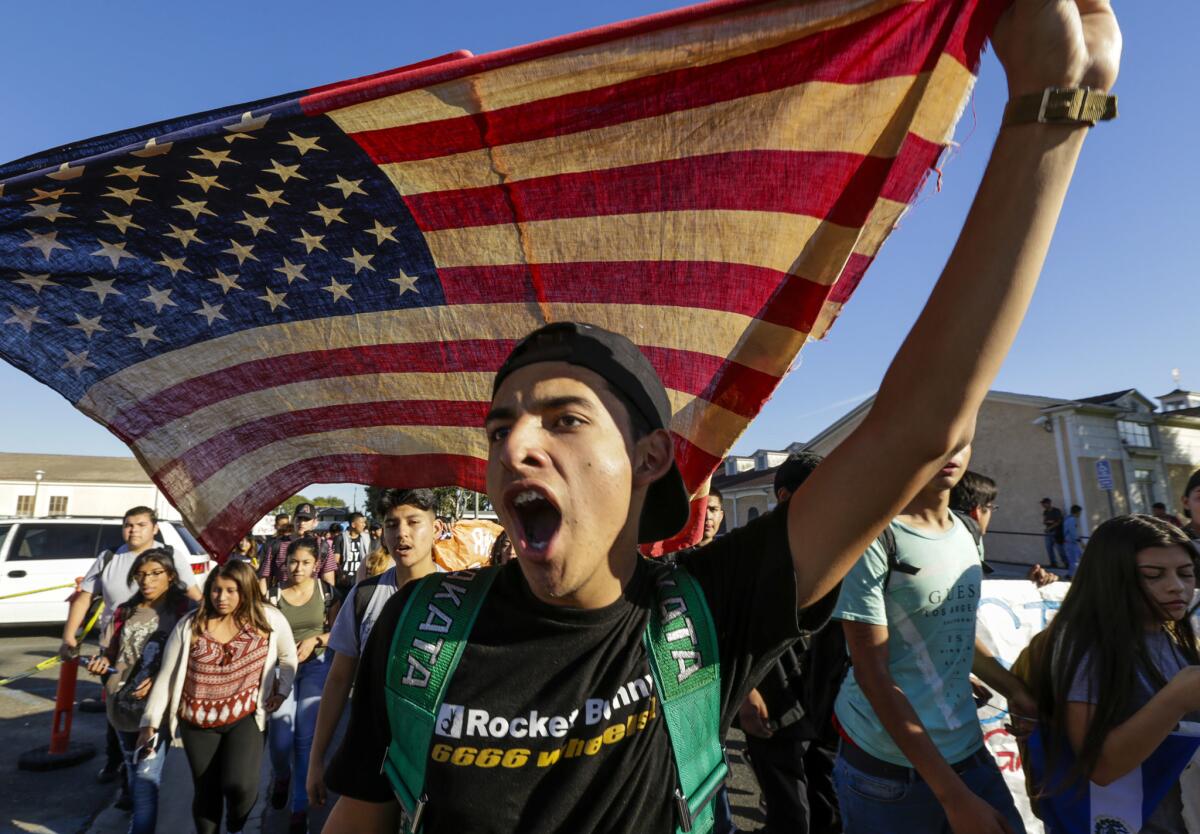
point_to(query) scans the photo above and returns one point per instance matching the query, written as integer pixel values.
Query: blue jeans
(143, 779)
(871, 804)
(1054, 548)
(292, 727)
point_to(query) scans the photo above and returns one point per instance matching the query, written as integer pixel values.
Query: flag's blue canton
(236, 223)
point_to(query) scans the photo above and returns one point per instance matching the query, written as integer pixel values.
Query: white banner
(1011, 611)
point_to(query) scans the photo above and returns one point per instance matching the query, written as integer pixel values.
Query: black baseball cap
(304, 510)
(630, 373)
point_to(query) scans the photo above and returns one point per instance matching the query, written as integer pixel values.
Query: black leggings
(225, 765)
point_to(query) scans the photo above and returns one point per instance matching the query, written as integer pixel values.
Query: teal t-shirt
(930, 618)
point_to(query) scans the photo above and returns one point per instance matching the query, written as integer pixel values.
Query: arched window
(753, 514)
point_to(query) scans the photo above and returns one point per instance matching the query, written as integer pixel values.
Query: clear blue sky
(1120, 292)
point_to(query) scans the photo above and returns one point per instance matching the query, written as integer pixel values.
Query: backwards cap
(627, 370)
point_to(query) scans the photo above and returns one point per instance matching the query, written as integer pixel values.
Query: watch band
(1062, 105)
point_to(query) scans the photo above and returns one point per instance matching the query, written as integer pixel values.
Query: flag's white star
(114, 252)
(46, 242)
(284, 172)
(212, 312)
(337, 290)
(145, 335)
(382, 233)
(226, 282)
(360, 261)
(160, 299)
(292, 271)
(406, 282)
(347, 187)
(24, 317)
(241, 251)
(88, 325)
(77, 362)
(122, 222)
(134, 173)
(48, 211)
(102, 288)
(37, 283)
(275, 299)
(303, 143)
(176, 265)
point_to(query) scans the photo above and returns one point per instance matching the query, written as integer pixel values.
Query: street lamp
(37, 482)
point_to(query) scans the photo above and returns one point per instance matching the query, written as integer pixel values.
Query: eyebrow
(545, 404)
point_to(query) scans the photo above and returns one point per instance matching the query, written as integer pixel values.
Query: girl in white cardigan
(224, 668)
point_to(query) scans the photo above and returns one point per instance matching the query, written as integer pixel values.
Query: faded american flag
(318, 287)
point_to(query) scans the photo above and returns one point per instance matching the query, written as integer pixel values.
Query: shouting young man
(553, 720)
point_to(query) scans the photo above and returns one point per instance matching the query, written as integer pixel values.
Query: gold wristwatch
(1062, 106)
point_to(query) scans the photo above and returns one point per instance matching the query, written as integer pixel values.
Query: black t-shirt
(551, 722)
(1052, 519)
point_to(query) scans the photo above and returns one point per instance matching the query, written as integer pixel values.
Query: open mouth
(538, 518)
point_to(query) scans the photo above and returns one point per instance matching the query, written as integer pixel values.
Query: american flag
(318, 287)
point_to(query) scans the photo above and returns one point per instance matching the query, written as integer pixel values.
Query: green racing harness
(681, 644)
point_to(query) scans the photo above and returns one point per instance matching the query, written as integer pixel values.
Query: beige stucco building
(76, 485)
(1035, 447)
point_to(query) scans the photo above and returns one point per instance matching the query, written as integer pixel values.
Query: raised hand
(1058, 43)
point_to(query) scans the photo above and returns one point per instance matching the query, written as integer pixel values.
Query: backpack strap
(977, 534)
(887, 540)
(426, 648)
(681, 643)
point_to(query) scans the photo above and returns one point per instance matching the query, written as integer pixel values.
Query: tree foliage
(451, 501)
(289, 506)
(329, 501)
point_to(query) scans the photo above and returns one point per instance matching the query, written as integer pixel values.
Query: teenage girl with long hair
(133, 655)
(309, 606)
(1191, 506)
(1119, 666)
(224, 668)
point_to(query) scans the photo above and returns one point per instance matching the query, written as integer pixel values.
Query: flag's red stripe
(205, 459)
(852, 274)
(710, 285)
(411, 471)
(185, 397)
(683, 370)
(869, 50)
(695, 464)
(839, 187)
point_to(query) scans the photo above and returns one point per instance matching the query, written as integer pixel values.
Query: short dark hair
(354, 515)
(161, 556)
(282, 517)
(713, 492)
(136, 511)
(972, 492)
(305, 543)
(795, 470)
(1158, 505)
(423, 499)
(1075, 508)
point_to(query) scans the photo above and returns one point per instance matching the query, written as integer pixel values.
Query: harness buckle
(414, 820)
(683, 811)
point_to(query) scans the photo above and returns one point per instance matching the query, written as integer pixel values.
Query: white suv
(45, 553)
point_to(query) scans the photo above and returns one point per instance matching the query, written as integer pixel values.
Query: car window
(4, 531)
(55, 541)
(189, 540)
(110, 537)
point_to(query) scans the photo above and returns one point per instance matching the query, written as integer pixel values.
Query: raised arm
(926, 405)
